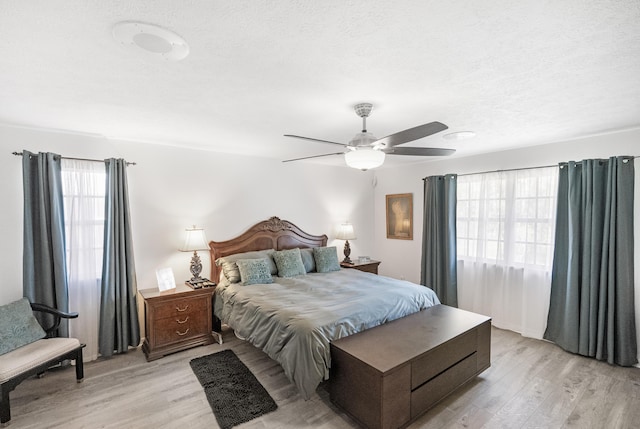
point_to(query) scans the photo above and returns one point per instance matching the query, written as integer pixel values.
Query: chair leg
(5, 411)
(79, 366)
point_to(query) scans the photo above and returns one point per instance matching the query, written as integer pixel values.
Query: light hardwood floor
(531, 384)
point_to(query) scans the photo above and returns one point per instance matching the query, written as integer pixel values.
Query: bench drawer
(439, 359)
(433, 391)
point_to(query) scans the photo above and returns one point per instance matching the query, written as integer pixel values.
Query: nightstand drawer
(181, 307)
(180, 328)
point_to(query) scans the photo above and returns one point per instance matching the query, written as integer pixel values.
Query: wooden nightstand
(369, 267)
(176, 320)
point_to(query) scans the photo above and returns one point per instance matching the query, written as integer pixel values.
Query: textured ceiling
(517, 73)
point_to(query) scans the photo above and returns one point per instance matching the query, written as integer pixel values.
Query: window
(507, 217)
(84, 193)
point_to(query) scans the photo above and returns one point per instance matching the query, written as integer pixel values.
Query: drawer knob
(182, 334)
(182, 309)
(182, 321)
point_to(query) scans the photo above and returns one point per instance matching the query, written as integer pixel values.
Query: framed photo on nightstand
(166, 280)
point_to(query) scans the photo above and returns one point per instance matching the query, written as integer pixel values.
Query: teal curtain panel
(119, 327)
(439, 270)
(44, 262)
(592, 292)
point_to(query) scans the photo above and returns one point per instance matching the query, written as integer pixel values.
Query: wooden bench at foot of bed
(387, 376)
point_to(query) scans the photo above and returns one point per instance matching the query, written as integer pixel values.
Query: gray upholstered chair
(26, 349)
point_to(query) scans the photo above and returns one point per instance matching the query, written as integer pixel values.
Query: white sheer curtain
(505, 233)
(83, 184)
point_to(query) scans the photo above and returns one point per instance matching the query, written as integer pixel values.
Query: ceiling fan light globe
(364, 158)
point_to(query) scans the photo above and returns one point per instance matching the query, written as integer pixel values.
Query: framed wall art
(400, 216)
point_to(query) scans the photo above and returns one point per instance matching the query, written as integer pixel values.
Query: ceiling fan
(365, 151)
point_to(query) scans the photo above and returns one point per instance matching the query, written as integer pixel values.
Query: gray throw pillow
(18, 326)
(326, 259)
(253, 271)
(289, 263)
(307, 260)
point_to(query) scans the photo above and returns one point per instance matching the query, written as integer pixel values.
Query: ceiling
(517, 73)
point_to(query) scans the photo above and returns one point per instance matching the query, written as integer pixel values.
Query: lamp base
(347, 253)
(195, 267)
(197, 283)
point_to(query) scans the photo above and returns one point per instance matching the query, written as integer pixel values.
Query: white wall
(171, 189)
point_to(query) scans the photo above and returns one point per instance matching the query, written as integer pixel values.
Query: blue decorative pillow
(18, 326)
(230, 269)
(253, 271)
(326, 259)
(289, 263)
(307, 260)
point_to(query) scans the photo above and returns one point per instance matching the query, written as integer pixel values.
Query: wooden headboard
(273, 233)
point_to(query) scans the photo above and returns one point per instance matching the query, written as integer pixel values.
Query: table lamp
(346, 233)
(195, 240)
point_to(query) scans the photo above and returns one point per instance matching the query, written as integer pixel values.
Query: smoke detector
(459, 135)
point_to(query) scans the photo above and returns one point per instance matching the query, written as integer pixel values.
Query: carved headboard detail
(273, 233)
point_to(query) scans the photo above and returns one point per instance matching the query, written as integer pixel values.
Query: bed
(294, 319)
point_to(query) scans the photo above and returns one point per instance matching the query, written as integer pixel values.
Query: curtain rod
(78, 159)
(519, 169)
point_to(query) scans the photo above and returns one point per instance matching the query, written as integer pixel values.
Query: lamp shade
(364, 158)
(194, 240)
(346, 232)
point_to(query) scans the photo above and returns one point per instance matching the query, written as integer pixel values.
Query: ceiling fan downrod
(363, 110)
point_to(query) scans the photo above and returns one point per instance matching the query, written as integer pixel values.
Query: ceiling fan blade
(314, 156)
(411, 134)
(419, 151)
(314, 140)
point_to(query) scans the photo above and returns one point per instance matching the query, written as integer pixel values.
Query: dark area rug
(234, 393)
